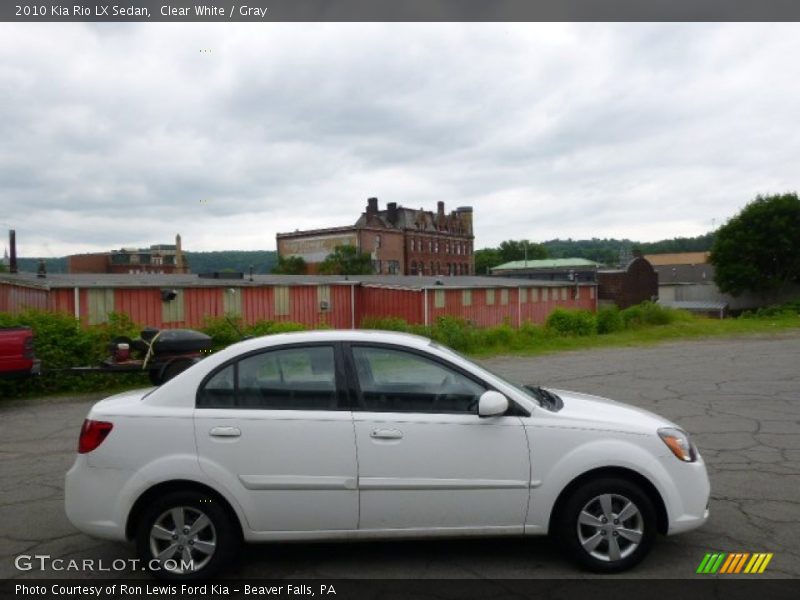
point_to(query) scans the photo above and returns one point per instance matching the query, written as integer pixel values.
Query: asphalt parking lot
(740, 398)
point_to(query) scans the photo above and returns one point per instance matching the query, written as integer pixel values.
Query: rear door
(275, 429)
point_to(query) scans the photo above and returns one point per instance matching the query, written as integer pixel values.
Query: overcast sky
(118, 135)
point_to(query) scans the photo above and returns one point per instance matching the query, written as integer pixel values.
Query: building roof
(696, 273)
(548, 263)
(147, 280)
(678, 258)
(695, 305)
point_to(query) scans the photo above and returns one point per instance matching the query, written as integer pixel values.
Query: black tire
(612, 545)
(206, 549)
(155, 376)
(176, 367)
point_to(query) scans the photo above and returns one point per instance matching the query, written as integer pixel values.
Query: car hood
(594, 412)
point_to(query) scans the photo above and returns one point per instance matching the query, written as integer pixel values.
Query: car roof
(331, 335)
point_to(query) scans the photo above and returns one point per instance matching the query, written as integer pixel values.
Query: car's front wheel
(185, 536)
(607, 525)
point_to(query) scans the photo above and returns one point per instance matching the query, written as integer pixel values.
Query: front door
(426, 460)
(272, 428)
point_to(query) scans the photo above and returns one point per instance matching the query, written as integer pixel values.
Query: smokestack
(465, 212)
(12, 241)
(372, 206)
(178, 254)
(391, 213)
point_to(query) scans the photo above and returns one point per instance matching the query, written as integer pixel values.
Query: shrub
(609, 320)
(650, 313)
(455, 333)
(572, 322)
(385, 323)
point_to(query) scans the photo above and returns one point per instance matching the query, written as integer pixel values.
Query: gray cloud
(126, 134)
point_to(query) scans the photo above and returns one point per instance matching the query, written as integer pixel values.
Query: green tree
(346, 260)
(759, 249)
(485, 259)
(520, 249)
(290, 265)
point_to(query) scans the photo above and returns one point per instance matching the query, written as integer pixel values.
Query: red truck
(17, 358)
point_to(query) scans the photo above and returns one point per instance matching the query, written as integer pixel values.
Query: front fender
(559, 456)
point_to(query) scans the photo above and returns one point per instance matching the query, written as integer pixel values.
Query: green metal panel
(232, 301)
(172, 311)
(101, 302)
(438, 299)
(282, 304)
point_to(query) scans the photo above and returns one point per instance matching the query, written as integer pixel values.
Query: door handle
(225, 431)
(386, 434)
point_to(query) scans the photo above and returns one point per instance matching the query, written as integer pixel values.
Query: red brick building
(401, 241)
(158, 259)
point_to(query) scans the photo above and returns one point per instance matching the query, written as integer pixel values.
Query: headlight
(678, 441)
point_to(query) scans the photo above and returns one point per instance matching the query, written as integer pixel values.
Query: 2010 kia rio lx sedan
(363, 435)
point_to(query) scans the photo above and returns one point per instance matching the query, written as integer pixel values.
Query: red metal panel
(15, 298)
(303, 306)
(258, 304)
(340, 316)
(200, 304)
(143, 305)
(384, 302)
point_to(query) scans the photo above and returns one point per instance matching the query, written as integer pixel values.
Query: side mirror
(491, 404)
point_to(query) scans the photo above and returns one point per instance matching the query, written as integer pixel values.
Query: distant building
(158, 259)
(636, 283)
(549, 269)
(401, 241)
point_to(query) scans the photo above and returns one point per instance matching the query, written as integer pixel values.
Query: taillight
(92, 435)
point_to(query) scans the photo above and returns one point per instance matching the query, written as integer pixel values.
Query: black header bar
(109, 11)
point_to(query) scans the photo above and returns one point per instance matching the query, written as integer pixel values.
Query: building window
(433, 268)
(591, 293)
(393, 267)
(563, 293)
(523, 295)
(447, 248)
(430, 246)
(503, 297)
(466, 298)
(438, 299)
(376, 266)
(413, 267)
(534, 294)
(489, 297)
(436, 247)
(377, 241)
(158, 260)
(577, 292)
(412, 245)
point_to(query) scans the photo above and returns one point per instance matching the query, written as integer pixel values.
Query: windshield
(528, 392)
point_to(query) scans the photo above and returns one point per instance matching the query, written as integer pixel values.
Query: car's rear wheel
(185, 536)
(607, 525)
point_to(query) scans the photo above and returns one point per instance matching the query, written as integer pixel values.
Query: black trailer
(163, 354)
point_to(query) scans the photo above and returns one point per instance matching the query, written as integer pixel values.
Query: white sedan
(348, 435)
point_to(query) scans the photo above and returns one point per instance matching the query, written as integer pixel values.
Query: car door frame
(344, 483)
(515, 411)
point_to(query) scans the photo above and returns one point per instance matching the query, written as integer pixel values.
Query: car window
(219, 391)
(399, 381)
(301, 378)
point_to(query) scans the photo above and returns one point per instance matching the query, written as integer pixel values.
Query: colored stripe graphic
(741, 562)
(732, 559)
(733, 563)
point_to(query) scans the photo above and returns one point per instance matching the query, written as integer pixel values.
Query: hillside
(199, 262)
